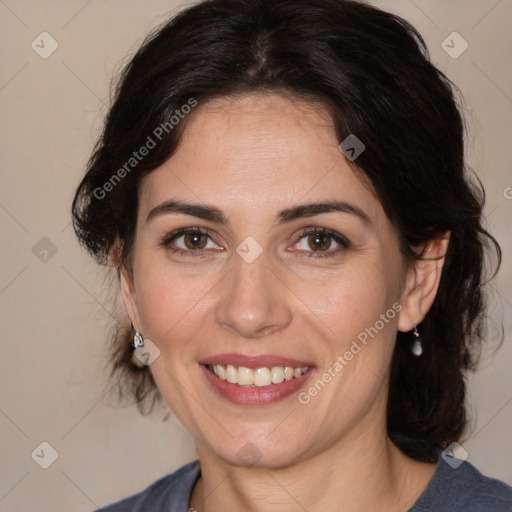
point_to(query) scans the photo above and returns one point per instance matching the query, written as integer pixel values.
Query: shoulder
(170, 493)
(459, 486)
(484, 493)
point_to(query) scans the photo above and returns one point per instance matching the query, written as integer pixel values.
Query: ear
(127, 286)
(422, 282)
(129, 298)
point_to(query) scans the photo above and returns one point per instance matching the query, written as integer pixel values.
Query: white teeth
(262, 377)
(259, 377)
(231, 374)
(245, 376)
(221, 371)
(277, 374)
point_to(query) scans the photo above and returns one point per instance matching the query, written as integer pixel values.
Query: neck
(369, 473)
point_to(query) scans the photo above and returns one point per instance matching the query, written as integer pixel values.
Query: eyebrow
(213, 214)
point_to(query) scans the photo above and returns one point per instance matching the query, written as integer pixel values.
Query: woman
(281, 188)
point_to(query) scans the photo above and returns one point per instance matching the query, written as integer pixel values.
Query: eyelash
(310, 231)
(339, 239)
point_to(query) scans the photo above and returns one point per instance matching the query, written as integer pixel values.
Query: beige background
(54, 313)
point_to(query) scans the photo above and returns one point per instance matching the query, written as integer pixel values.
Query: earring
(417, 347)
(139, 354)
(138, 340)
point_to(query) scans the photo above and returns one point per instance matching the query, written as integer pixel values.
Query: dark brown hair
(372, 72)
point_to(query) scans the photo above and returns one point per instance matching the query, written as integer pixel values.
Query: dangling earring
(138, 340)
(417, 347)
(137, 349)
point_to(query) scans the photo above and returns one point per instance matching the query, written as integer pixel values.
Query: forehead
(264, 152)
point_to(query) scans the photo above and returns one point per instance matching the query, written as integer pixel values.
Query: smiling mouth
(258, 377)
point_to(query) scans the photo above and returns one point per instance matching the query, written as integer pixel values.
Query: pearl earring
(417, 347)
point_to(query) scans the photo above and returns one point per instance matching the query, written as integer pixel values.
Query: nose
(254, 301)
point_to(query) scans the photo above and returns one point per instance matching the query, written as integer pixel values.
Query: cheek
(349, 300)
(169, 305)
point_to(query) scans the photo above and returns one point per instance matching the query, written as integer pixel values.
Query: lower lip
(253, 396)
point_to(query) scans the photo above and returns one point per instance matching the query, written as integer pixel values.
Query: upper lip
(264, 360)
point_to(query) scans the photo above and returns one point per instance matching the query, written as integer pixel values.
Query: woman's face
(265, 280)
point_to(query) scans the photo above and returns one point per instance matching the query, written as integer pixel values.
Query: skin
(251, 157)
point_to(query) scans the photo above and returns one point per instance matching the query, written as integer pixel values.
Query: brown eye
(319, 241)
(195, 240)
(190, 242)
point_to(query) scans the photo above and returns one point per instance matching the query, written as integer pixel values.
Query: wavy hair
(371, 71)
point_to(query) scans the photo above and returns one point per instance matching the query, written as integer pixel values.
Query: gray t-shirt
(451, 489)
